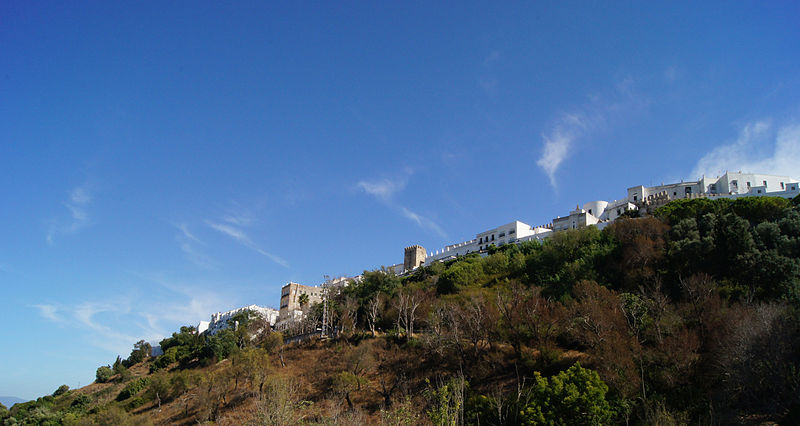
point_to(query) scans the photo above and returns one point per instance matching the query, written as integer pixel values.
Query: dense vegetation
(687, 316)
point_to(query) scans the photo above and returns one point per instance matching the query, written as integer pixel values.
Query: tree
(641, 249)
(599, 323)
(303, 301)
(141, 351)
(467, 271)
(373, 309)
(188, 344)
(159, 389)
(447, 401)
(61, 390)
(220, 345)
(407, 302)
(104, 374)
(284, 403)
(349, 317)
(344, 383)
(576, 396)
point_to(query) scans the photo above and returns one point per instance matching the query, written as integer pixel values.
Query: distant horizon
(6, 400)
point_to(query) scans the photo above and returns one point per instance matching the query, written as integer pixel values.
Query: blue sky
(162, 161)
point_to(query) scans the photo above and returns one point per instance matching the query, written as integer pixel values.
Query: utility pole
(325, 290)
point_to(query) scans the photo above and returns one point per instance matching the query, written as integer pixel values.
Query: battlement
(414, 257)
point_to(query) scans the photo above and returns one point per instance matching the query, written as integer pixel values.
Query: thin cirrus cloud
(115, 326)
(77, 203)
(189, 243)
(83, 316)
(231, 230)
(49, 312)
(384, 190)
(760, 147)
(561, 140)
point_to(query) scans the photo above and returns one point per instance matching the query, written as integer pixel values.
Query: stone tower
(414, 256)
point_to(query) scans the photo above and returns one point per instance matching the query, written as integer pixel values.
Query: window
(759, 191)
(502, 234)
(675, 193)
(748, 185)
(713, 187)
(511, 232)
(688, 189)
(765, 184)
(492, 237)
(619, 212)
(782, 186)
(480, 240)
(590, 211)
(793, 187)
(634, 198)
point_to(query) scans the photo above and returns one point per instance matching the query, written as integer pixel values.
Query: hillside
(688, 316)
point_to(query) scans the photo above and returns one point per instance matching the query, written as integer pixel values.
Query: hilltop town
(641, 200)
(680, 308)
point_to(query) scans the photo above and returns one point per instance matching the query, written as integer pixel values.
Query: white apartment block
(513, 232)
(602, 213)
(219, 320)
(729, 185)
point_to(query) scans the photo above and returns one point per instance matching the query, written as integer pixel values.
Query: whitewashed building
(219, 320)
(513, 232)
(729, 185)
(602, 213)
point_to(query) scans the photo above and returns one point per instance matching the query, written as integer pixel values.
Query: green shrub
(576, 396)
(61, 390)
(134, 403)
(104, 374)
(133, 388)
(81, 402)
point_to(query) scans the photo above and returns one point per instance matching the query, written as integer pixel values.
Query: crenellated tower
(414, 257)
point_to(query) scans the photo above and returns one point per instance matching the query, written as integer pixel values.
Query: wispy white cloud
(77, 202)
(239, 217)
(759, 148)
(99, 333)
(186, 305)
(115, 325)
(186, 233)
(189, 243)
(49, 312)
(424, 222)
(385, 189)
(235, 233)
(241, 236)
(489, 82)
(561, 140)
